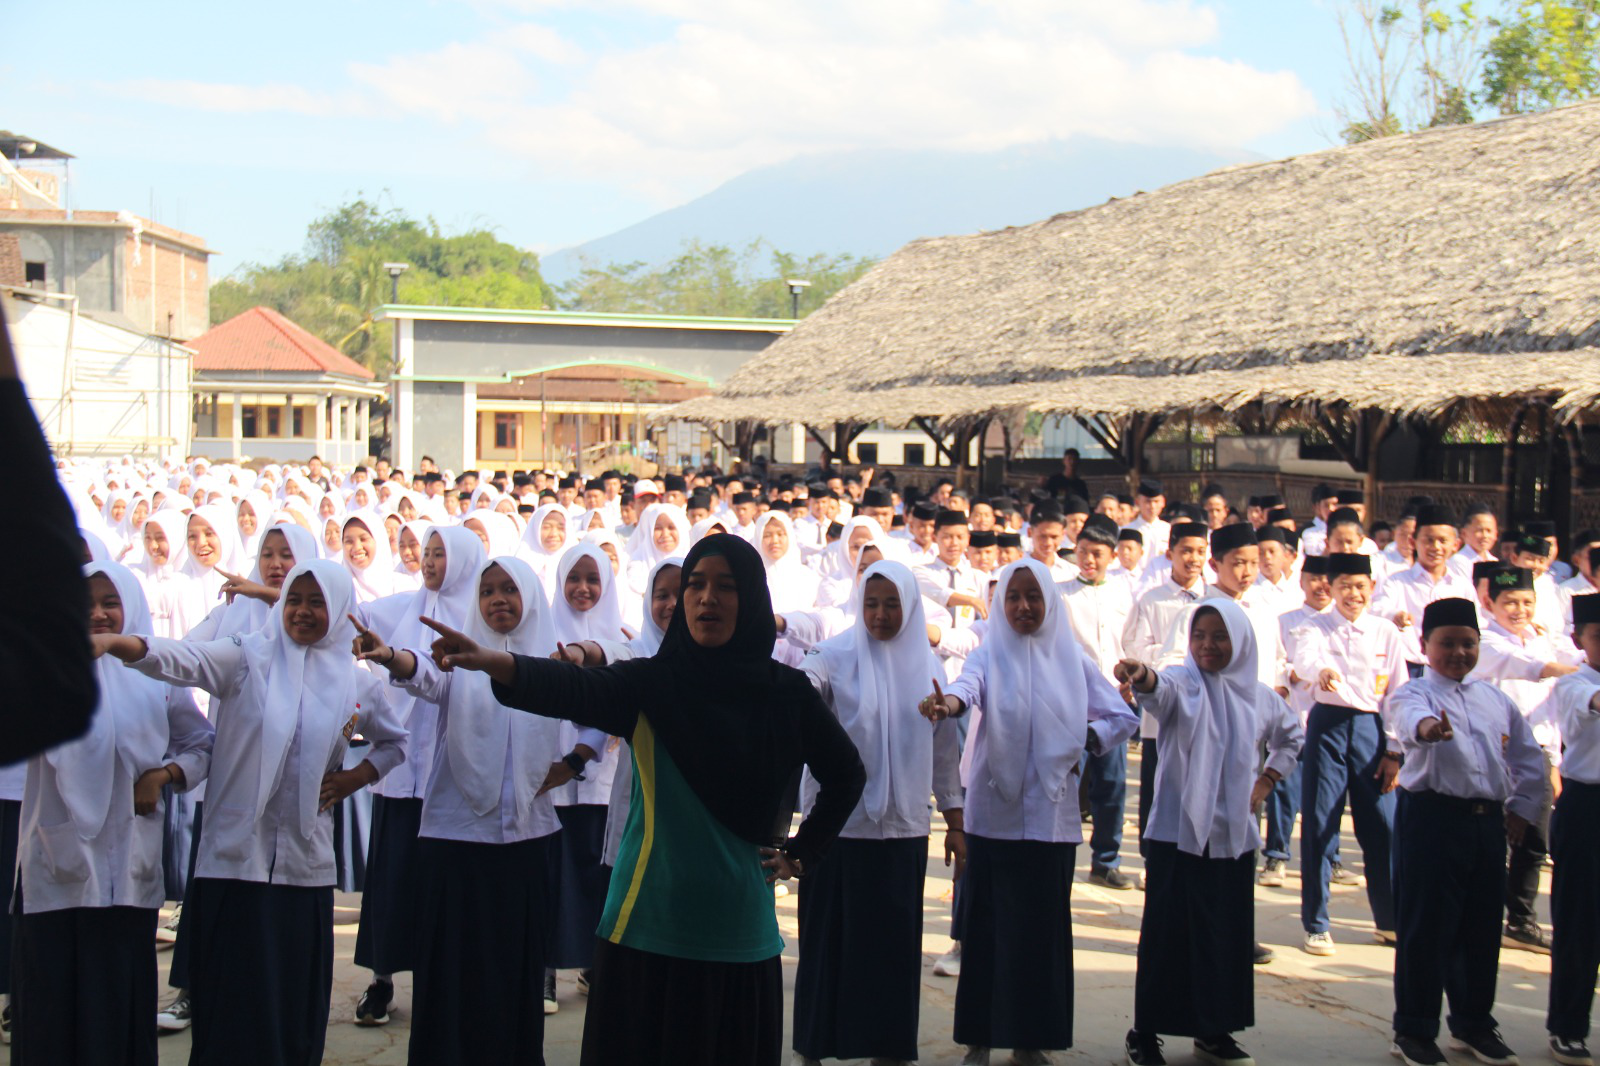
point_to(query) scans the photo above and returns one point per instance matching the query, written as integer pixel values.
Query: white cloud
(733, 84)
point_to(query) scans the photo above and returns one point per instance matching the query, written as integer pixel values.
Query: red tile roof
(262, 339)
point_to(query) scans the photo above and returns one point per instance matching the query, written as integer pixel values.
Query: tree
(1543, 55)
(1412, 65)
(713, 279)
(335, 285)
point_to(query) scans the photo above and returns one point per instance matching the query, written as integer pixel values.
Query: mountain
(870, 202)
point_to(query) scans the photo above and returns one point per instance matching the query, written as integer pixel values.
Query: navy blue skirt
(387, 937)
(581, 892)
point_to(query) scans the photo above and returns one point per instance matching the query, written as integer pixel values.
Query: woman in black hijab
(687, 969)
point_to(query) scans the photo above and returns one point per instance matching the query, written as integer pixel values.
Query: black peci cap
(1180, 530)
(1451, 611)
(1315, 565)
(1432, 514)
(876, 497)
(1585, 609)
(1228, 538)
(1343, 516)
(924, 512)
(1008, 540)
(1349, 496)
(1075, 505)
(983, 538)
(1510, 579)
(1271, 500)
(1534, 544)
(1130, 534)
(1099, 529)
(1287, 537)
(1150, 487)
(950, 517)
(1342, 564)
(1279, 514)
(1540, 528)
(1486, 568)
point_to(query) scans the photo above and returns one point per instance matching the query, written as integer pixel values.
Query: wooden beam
(938, 438)
(1103, 434)
(1508, 463)
(827, 449)
(1342, 443)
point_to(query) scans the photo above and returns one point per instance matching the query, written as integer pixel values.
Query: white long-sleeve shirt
(1155, 615)
(1301, 696)
(1098, 615)
(1366, 653)
(1032, 815)
(944, 776)
(1411, 590)
(233, 843)
(121, 865)
(1579, 724)
(1513, 663)
(446, 813)
(1493, 755)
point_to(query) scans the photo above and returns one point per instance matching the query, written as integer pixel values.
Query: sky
(557, 121)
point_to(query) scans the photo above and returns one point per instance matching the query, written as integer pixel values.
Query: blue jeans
(1343, 748)
(1106, 775)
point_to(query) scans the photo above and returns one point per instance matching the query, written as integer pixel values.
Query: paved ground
(1308, 1010)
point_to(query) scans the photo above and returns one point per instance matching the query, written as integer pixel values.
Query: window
(298, 422)
(274, 421)
(866, 454)
(916, 455)
(507, 430)
(33, 275)
(250, 421)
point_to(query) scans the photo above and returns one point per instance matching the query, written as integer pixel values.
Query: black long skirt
(645, 1007)
(581, 892)
(1015, 989)
(85, 987)
(1196, 944)
(483, 928)
(178, 971)
(10, 819)
(261, 963)
(859, 984)
(386, 938)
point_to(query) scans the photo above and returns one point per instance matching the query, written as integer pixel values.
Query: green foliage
(1411, 65)
(1543, 55)
(335, 285)
(715, 280)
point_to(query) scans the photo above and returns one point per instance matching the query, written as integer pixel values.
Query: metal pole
(794, 303)
(544, 424)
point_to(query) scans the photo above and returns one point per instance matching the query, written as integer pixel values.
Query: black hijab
(730, 717)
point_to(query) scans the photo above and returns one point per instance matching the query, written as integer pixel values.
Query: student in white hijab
(1043, 704)
(385, 944)
(498, 532)
(661, 533)
(366, 557)
(838, 563)
(630, 598)
(90, 855)
(1196, 941)
(792, 584)
(859, 984)
(212, 536)
(488, 847)
(174, 598)
(253, 515)
(546, 539)
(411, 541)
(113, 516)
(262, 898)
(585, 608)
(707, 527)
(280, 548)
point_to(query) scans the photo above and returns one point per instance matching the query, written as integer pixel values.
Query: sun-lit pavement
(1308, 1010)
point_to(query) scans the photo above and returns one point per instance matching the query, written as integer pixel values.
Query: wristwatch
(576, 763)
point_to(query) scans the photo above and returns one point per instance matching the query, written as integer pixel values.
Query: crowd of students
(313, 679)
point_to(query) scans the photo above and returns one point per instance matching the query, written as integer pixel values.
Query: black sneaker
(1144, 1049)
(550, 1004)
(583, 982)
(1222, 1050)
(373, 1006)
(1262, 955)
(1415, 1052)
(1570, 1052)
(5, 1025)
(177, 1017)
(1111, 877)
(1486, 1048)
(1527, 937)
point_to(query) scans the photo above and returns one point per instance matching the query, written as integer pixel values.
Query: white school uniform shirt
(1548, 606)
(1512, 664)
(1213, 727)
(1578, 723)
(1314, 538)
(1461, 562)
(1156, 535)
(1279, 597)
(873, 687)
(1578, 585)
(937, 580)
(1098, 615)
(1154, 616)
(1492, 755)
(1301, 696)
(1057, 724)
(1367, 654)
(1411, 590)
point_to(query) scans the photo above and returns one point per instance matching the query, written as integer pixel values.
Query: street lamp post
(395, 270)
(796, 287)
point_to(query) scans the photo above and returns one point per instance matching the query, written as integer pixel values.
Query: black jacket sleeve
(832, 758)
(45, 671)
(601, 697)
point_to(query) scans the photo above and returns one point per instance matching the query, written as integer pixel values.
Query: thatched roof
(1405, 273)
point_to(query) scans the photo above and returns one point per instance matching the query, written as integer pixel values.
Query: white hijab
(1037, 697)
(501, 529)
(792, 584)
(378, 579)
(648, 642)
(876, 687)
(533, 552)
(225, 520)
(480, 733)
(642, 549)
(398, 618)
(262, 506)
(1229, 708)
(290, 685)
(603, 621)
(247, 614)
(129, 723)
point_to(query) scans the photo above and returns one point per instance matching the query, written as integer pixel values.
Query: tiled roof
(262, 339)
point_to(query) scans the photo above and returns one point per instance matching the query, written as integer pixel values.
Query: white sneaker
(779, 891)
(976, 1056)
(167, 931)
(1319, 944)
(949, 964)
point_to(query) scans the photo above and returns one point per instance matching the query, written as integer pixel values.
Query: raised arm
(214, 666)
